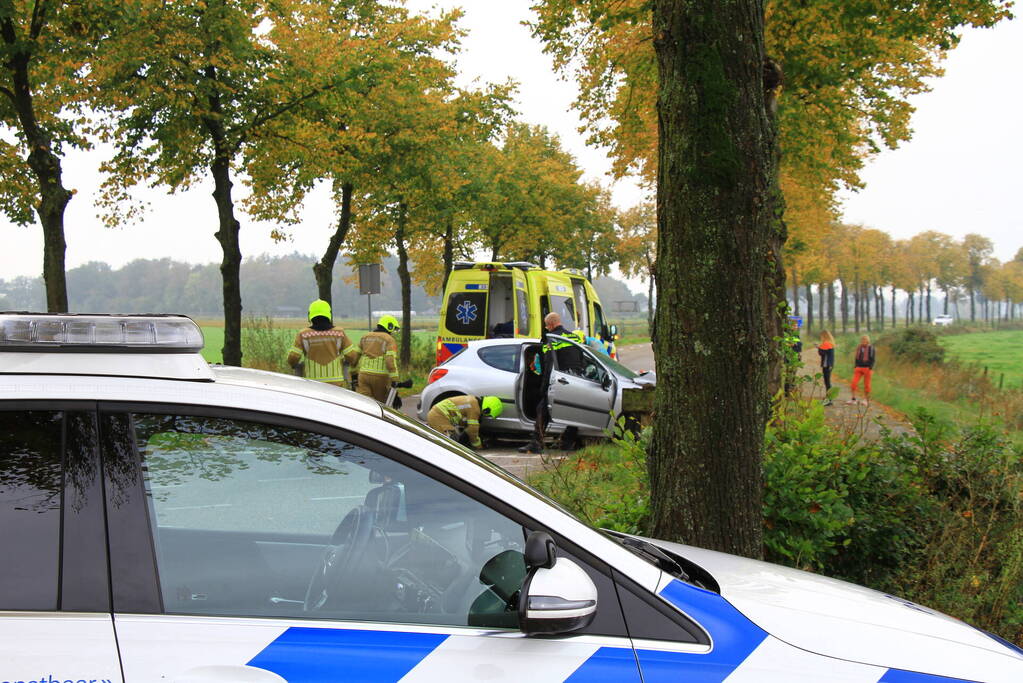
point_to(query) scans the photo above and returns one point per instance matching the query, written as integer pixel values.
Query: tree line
(850, 276)
(284, 97)
(278, 286)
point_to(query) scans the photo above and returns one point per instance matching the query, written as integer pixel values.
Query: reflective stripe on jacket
(463, 411)
(379, 355)
(324, 353)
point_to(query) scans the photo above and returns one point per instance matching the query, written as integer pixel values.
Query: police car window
(503, 357)
(260, 520)
(30, 490)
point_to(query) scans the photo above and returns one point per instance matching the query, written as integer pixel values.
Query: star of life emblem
(466, 312)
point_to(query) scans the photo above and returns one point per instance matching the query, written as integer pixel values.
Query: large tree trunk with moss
(45, 165)
(718, 274)
(323, 270)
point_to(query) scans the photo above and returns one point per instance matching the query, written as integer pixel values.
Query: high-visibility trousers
(374, 386)
(439, 420)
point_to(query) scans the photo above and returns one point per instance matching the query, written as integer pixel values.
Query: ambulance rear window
(466, 314)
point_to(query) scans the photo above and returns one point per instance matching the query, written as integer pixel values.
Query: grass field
(1000, 352)
(213, 332)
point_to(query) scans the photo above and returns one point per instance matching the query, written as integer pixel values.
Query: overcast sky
(960, 174)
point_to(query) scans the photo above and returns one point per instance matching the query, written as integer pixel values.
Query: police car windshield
(404, 421)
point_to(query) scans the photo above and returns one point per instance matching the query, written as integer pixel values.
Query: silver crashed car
(589, 397)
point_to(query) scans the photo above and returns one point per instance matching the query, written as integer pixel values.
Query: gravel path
(863, 419)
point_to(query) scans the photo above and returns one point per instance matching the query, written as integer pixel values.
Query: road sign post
(369, 284)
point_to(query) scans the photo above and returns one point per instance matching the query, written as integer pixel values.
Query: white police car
(162, 520)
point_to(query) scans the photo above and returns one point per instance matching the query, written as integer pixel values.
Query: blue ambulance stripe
(308, 655)
(734, 638)
(611, 664)
(898, 676)
(473, 286)
(454, 348)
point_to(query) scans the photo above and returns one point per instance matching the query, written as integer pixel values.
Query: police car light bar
(83, 333)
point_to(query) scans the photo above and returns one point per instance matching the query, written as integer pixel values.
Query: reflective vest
(324, 353)
(379, 355)
(463, 411)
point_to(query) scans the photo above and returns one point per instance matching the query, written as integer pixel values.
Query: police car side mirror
(557, 596)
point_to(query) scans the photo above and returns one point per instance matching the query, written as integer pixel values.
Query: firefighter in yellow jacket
(378, 360)
(459, 417)
(321, 349)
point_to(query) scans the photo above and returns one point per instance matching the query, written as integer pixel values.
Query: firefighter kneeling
(459, 417)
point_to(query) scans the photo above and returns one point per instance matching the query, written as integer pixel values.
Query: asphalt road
(637, 357)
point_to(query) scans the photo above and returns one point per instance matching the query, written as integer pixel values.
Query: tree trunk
(909, 308)
(867, 290)
(929, 317)
(820, 304)
(405, 350)
(230, 264)
(650, 303)
(449, 252)
(45, 165)
(831, 305)
(719, 247)
(795, 292)
(895, 320)
(856, 305)
(809, 308)
(845, 305)
(323, 270)
(973, 305)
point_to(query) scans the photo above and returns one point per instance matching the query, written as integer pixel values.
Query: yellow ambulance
(488, 300)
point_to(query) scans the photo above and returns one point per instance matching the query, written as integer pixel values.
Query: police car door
(248, 547)
(584, 396)
(55, 621)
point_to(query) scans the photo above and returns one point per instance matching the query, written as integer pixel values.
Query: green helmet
(491, 406)
(389, 323)
(319, 308)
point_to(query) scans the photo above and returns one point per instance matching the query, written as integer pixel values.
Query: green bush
(917, 345)
(265, 346)
(605, 485)
(833, 503)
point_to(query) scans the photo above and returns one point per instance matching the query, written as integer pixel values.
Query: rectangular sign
(369, 278)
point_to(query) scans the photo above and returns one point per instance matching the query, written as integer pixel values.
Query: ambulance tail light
(435, 375)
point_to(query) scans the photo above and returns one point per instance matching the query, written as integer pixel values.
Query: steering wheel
(347, 548)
